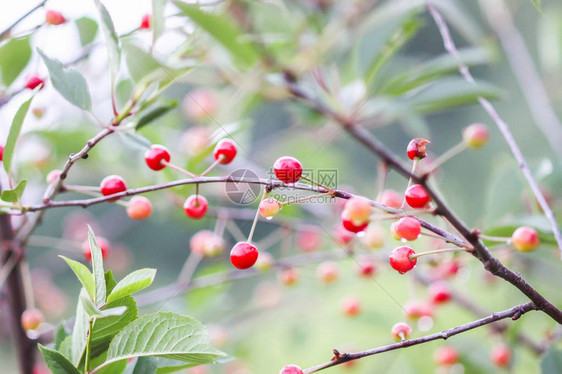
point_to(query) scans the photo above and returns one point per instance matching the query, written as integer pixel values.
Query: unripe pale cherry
(401, 331)
(199, 104)
(287, 169)
(288, 276)
(243, 255)
(417, 196)
(265, 261)
(328, 272)
(34, 81)
(309, 239)
(53, 176)
(104, 245)
(351, 306)
(366, 267)
(269, 207)
(446, 356)
(393, 232)
(145, 21)
(52, 17)
(291, 369)
(206, 243)
(350, 225)
(416, 309)
(139, 208)
(373, 238)
(155, 155)
(342, 235)
(501, 355)
(195, 206)
(439, 292)
(391, 199)
(400, 259)
(416, 148)
(358, 210)
(112, 184)
(31, 319)
(525, 239)
(225, 151)
(476, 135)
(408, 228)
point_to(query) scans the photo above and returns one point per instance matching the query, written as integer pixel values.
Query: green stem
(452, 152)
(88, 344)
(437, 251)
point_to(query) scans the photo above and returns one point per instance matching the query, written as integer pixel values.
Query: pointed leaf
(97, 267)
(156, 113)
(157, 18)
(83, 274)
(132, 283)
(87, 30)
(79, 333)
(14, 134)
(12, 196)
(139, 62)
(14, 57)
(57, 363)
(145, 365)
(89, 306)
(111, 40)
(60, 336)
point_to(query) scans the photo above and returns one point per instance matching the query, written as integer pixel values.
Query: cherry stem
(213, 165)
(382, 172)
(301, 199)
(414, 167)
(452, 152)
(495, 238)
(443, 250)
(251, 234)
(402, 337)
(332, 192)
(177, 168)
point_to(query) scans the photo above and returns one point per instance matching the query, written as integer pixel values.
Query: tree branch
(7, 31)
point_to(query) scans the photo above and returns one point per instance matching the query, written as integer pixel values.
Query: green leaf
(83, 274)
(97, 267)
(57, 363)
(60, 335)
(87, 30)
(551, 362)
(111, 40)
(157, 19)
(89, 306)
(14, 57)
(156, 113)
(223, 31)
(139, 62)
(65, 347)
(12, 196)
(537, 4)
(79, 333)
(132, 283)
(14, 134)
(70, 83)
(145, 365)
(545, 233)
(164, 334)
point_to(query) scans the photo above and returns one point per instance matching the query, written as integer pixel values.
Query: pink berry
(417, 196)
(439, 292)
(309, 239)
(501, 355)
(155, 156)
(145, 21)
(358, 210)
(31, 319)
(476, 135)
(111, 185)
(288, 276)
(525, 239)
(34, 81)
(243, 255)
(328, 272)
(416, 309)
(391, 199)
(287, 169)
(195, 206)
(1, 153)
(401, 331)
(291, 369)
(206, 243)
(400, 259)
(225, 151)
(350, 225)
(269, 207)
(408, 228)
(366, 267)
(102, 243)
(342, 236)
(446, 356)
(199, 104)
(139, 208)
(351, 306)
(373, 238)
(52, 17)
(416, 148)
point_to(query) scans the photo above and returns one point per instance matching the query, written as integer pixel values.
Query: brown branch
(513, 313)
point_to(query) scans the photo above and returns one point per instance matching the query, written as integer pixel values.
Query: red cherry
(288, 276)
(416, 309)
(400, 259)
(31, 319)
(351, 306)
(408, 228)
(291, 369)
(102, 243)
(195, 206)
(328, 272)
(243, 255)
(111, 185)
(525, 239)
(446, 356)
(1, 153)
(417, 196)
(401, 330)
(225, 151)
(287, 169)
(145, 21)
(501, 355)
(439, 292)
(391, 199)
(350, 225)
(416, 148)
(34, 81)
(139, 208)
(155, 155)
(52, 17)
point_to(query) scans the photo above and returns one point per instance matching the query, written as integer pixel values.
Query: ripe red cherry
(416, 309)
(525, 239)
(111, 185)
(287, 169)
(288, 276)
(195, 206)
(34, 81)
(52, 17)
(408, 228)
(291, 369)
(401, 331)
(446, 356)
(350, 225)
(1, 153)
(391, 199)
(103, 244)
(31, 319)
(155, 155)
(243, 255)
(416, 148)
(145, 21)
(501, 355)
(439, 292)
(139, 208)
(225, 151)
(417, 196)
(351, 306)
(400, 259)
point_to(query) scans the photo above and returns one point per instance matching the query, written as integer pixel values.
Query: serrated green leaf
(156, 113)
(14, 57)
(139, 62)
(87, 30)
(12, 196)
(132, 283)
(111, 40)
(83, 274)
(97, 269)
(551, 362)
(14, 134)
(223, 31)
(57, 363)
(70, 83)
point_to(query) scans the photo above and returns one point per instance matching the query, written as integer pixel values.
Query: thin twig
(7, 31)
